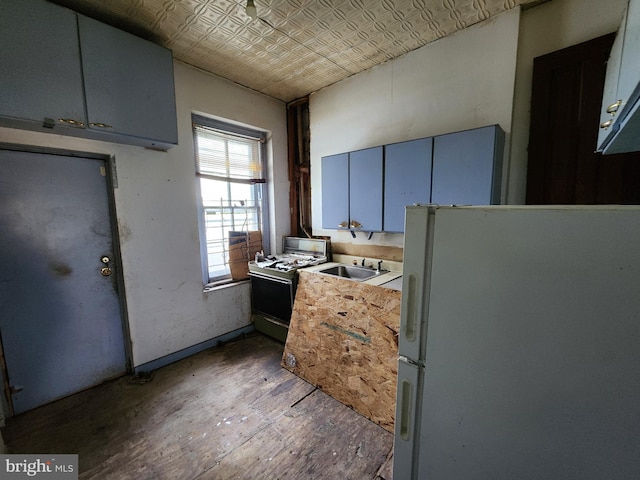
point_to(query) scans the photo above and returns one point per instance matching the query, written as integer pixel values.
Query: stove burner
(288, 262)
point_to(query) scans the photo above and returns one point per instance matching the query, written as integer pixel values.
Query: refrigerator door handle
(405, 403)
(411, 317)
(404, 441)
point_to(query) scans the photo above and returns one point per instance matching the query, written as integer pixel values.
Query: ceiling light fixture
(251, 10)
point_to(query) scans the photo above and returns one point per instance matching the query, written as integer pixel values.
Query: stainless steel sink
(351, 272)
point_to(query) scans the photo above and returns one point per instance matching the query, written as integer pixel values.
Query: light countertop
(379, 280)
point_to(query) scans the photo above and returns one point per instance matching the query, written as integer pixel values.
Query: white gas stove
(297, 253)
(274, 280)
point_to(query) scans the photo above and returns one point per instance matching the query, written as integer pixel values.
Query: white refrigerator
(519, 344)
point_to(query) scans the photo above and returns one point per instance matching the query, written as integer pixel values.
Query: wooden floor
(229, 412)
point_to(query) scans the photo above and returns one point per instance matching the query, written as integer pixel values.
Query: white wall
(544, 29)
(158, 218)
(456, 83)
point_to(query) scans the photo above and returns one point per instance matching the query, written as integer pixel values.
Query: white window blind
(225, 156)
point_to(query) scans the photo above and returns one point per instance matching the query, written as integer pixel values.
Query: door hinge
(114, 171)
(13, 389)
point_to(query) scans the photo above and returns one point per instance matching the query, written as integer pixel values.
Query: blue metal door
(60, 316)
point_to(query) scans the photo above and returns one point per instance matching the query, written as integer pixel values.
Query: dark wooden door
(563, 167)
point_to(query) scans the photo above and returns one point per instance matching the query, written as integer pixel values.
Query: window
(231, 173)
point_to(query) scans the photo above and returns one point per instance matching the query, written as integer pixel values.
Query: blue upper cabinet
(65, 73)
(620, 117)
(352, 191)
(467, 167)
(128, 83)
(407, 179)
(365, 190)
(368, 190)
(335, 191)
(40, 72)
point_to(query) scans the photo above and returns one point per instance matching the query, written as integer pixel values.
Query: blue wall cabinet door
(365, 189)
(630, 62)
(623, 73)
(407, 179)
(128, 82)
(610, 105)
(335, 191)
(467, 167)
(40, 72)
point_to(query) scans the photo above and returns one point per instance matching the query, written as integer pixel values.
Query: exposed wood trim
(394, 254)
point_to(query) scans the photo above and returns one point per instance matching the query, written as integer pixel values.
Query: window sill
(222, 284)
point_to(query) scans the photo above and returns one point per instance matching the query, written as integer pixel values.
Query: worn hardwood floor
(229, 412)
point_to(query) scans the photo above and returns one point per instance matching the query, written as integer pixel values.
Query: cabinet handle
(72, 122)
(344, 224)
(100, 125)
(613, 108)
(606, 124)
(355, 224)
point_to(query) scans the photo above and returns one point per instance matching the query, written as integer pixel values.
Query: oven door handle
(271, 278)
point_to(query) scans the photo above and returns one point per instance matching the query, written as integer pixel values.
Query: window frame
(243, 131)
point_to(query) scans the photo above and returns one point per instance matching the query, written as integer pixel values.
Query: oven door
(272, 296)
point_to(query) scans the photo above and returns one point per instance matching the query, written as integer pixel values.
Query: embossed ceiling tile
(313, 34)
(454, 14)
(296, 46)
(475, 11)
(171, 26)
(283, 21)
(418, 28)
(292, 63)
(279, 38)
(193, 31)
(165, 17)
(283, 55)
(339, 31)
(375, 49)
(234, 26)
(242, 39)
(349, 62)
(316, 75)
(293, 69)
(322, 68)
(220, 11)
(441, 17)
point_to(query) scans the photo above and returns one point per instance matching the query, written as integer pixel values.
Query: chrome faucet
(379, 266)
(363, 261)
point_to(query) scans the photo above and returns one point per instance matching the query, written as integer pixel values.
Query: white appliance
(519, 344)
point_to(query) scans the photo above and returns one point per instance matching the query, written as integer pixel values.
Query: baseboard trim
(187, 352)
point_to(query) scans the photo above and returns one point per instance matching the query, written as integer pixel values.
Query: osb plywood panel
(294, 47)
(343, 338)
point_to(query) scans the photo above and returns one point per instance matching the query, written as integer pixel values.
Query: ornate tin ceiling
(294, 47)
